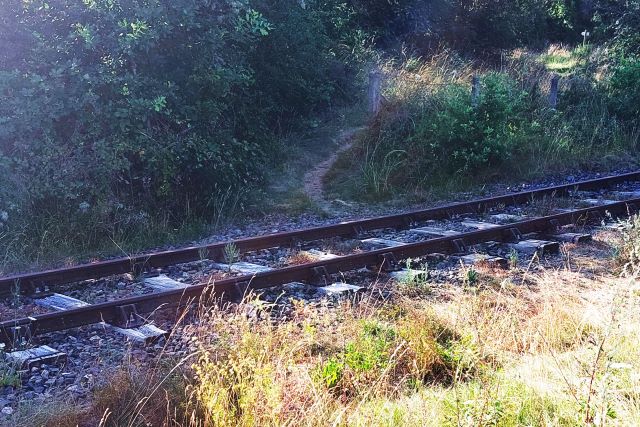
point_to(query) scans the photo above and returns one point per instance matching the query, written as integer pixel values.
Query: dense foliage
(115, 111)
(474, 25)
(115, 114)
(439, 135)
(458, 137)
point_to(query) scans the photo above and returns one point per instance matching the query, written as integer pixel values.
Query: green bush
(616, 25)
(434, 137)
(484, 24)
(116, 114)
(444, 134)
(624, 89)
(465, 139)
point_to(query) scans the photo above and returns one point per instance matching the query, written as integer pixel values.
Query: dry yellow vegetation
(551, 342)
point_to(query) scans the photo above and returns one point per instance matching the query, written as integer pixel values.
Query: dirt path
(313, 179)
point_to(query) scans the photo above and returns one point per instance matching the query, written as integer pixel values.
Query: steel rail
(112, 312)
(29, 282)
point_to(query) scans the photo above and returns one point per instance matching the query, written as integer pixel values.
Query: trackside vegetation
(123, 116)
(539, 345)
(432, 133)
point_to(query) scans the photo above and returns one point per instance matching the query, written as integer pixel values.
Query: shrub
(118, 114)
(624, 89)
(617, 26)
(468, 139)
(437, 135)
(430, 135)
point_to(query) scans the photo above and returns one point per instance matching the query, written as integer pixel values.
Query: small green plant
(331, 372)
(231, 254)
(369, 351)
(471, 277)
(9, 376)
(413, 64)
(15, 294)
(416, 280)
(361, 360)
(513, 258)
(460, 353)
(203, 253)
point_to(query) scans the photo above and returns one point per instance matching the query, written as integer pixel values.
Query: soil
(313, 180)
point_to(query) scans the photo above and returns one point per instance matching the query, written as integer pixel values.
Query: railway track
(512, 220)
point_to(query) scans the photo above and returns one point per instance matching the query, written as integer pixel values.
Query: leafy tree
(617, 24)
(150, 106)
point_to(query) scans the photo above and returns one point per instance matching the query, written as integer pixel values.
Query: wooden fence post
(475, 91)
(553, 92)
(375, 88)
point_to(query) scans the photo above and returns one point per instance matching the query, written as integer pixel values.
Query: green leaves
(154, 107)
(254, 22)
(159, 103)
(624, 89)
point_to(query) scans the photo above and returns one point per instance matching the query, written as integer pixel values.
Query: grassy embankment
(430, 138)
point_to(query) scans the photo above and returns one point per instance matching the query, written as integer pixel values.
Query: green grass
(565, 60)
(498, 401)
(24, 250)
(559, 63)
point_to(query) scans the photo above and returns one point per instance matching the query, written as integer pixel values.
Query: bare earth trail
(313, 180)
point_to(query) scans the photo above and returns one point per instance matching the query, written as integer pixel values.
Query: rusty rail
(29, 282)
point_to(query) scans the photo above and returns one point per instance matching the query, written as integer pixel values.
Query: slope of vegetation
(124, 118)
(432, 133)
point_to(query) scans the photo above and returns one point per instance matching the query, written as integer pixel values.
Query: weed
(470, 276)
(9, 376)
(415, 281)
(513, 258)
(331, 372)
(361, 361)
(377, 174)
(231, 254)
(203, 253)
(628, 252)
(15, 294)
(300, 258)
